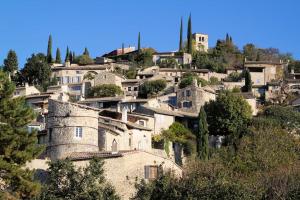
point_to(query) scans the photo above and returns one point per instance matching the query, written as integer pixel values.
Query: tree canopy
(11, 62)
(67, 182)
(105, 90)
(149, 88)
(17, 145)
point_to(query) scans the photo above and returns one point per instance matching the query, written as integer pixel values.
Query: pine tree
(17, 145)
(189, 36)
(180, 37)
(11, 62)
(86, 52)
(139, 42)
(202, 137)
(248, 82)
(67, 58)
(58, 57)
(49, 50)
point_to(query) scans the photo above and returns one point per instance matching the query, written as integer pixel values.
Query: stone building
(201, 41)
(26, 90)
(108, 78)
(180, 58)
(193, 97)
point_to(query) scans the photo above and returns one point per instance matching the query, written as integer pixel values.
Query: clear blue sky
(102, 25)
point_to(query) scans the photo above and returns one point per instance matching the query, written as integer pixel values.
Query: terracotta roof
(89, 155)
(137, 126)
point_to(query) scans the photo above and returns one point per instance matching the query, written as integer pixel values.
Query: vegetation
(150, 88)
(168, 63)
(105, 90)
(67, 58)
(139, 42)
(180, 37)
(248, 82)
(189, 36)
(17, 145)
(67, 182)
(187, 79)
(202, 136)
(58, 57)
(37, 70)
(229, 115)
(234, 77)
(86, 52)
(265, 166)
(131, 73)
(11, 62)
(84, 60)
(49, 50)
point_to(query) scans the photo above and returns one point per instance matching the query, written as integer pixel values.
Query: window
(182, 93)
(142, 122)
(78, 132)
(187, 104)
(151, 172)
(135, 88)
(50, 134)
(188, 93)
(129, 88)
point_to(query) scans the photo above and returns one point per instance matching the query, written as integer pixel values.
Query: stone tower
(71, 128)
(201, 42)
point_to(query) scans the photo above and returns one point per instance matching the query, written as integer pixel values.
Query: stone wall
(63, 118)
(108, 78)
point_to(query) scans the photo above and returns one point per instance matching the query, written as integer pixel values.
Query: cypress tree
(180, 37)
(248, 82)
(49, 50)
(58, 57)
(139, 42)
(67, 58)
(74, 56)
(189, 36)
(123, 48)
(71, 57)
(17, 145)
(227, 40)
(230, 40)
(202, 137)
(11, 62)
(86, 52)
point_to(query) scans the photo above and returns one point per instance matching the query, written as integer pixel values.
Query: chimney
(124, 113)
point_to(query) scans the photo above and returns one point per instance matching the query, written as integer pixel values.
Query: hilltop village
(119, 106)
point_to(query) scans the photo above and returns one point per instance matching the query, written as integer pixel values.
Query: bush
(84, 60)
(187, 79)
(150, 88)
(105, 90)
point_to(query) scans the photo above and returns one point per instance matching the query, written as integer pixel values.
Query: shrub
(104, 90)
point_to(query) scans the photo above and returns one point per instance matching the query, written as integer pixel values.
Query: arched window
(114, 147)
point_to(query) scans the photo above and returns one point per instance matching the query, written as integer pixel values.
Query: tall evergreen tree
(71, 57)
(17, 145)
(123, 48)
(86, 52)
(74, 56)
(230, 40)
(189, 36)
(67, 58)
(58, 57)
(49, 50)
(11, 62)
(248, 82)
(227, 40)
(180, 37)
(202, 137)
(139, 42)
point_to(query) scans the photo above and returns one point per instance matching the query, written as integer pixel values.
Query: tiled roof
(183, 70)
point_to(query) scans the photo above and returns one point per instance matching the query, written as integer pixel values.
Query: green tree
(139, 42)
(67, 182)
(104, 90)
(150, 88)
(58, 57)
(229, 115)
(131, 73)
(202, 137)
(49, 50)
(144, 57)
(67, 58)
(17, 145)
(37, 70)
(248, 81)
(190, 36)
(86, 52)
(187, 79)
(84, 60)
(11, 62)
(180, 37)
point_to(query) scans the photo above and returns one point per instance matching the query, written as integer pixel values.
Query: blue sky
(103, 25)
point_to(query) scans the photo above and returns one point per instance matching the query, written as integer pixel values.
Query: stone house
(193, 97)
(108, 78)
(180, 58)
(26, 90)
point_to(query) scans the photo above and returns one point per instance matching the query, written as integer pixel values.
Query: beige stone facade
(26, 91)
(201, 41)
(108, 78)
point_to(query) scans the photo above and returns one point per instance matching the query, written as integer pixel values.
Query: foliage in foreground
(17, 146)
(65, 181)
(265, 166)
